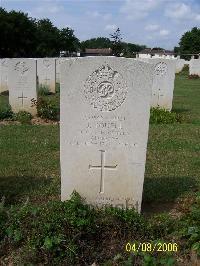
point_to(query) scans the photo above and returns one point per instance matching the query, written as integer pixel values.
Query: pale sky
(149, 22)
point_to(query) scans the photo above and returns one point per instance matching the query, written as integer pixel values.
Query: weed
(47, 109)
(23, 117)
(4, 93)
(5, 112)
(43, 90)
(193, 76)
(162, 116)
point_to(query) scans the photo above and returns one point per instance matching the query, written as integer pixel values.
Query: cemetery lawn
(30, 182)
(173, 155)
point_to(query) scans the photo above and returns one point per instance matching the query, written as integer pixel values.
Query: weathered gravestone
(59, 61)
(179, 65)
(4, 63)
(194, 67)
(46, 72)
(163, 83)
(22, 84)
(105, 104)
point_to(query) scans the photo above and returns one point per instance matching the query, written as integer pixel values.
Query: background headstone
(179, 65)
(46, 72)
(105, 105)
(194, 67)
(4, 64)
(22, 84)
(163, 83)
(59, 61)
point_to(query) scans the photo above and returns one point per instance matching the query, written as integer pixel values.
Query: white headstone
(144, 56)
(22, 84)
(59, 61)
(163, 83)
(4, 63)
(105, 104)
(46, 71)
(194, 67)
(179, 65)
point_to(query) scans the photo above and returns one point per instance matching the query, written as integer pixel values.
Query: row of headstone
(48, 72)
(162, 88)
(20, 77)
(194, 67)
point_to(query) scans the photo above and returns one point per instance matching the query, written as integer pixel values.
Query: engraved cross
(22, 97)
(102, 167)
(159, 95)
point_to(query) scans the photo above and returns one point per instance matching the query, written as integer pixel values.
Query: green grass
(29, 162)
(187, 97)
(173, 160)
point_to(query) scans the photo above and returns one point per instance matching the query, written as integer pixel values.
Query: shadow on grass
(159, 194)
(195, 121)
(16, 189)
(167, 189)
(180, 110)
(4, 93)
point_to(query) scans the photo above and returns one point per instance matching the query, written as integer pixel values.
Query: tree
(117, 46)
(22, 36)
(3, 29)
(68, 41)
(129, 49)
(48, 39)
(100, 42)
(176, 50)
(158, 49)
(18, 34)
(190, 42)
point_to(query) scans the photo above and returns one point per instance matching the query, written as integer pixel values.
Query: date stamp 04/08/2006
(151, 247)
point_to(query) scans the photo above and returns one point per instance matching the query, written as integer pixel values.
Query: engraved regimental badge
(160, 69)
(46, 63)
(105, 89)
(22, 68)
(4, 62)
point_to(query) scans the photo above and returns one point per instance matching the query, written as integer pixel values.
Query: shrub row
(49, 110)
(23, 117)
(193, 76)
(45, 109)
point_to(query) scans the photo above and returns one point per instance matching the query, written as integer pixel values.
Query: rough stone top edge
(101, 59)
